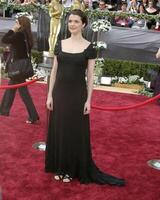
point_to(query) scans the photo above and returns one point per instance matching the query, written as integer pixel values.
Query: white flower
(101, 25)
(123, 80)
(133, 78)
(40, 73)
(100, 60)
(99, 66)
(101, 44)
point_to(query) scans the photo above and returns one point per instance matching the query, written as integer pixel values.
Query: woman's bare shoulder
(65, 40)
(87, 42)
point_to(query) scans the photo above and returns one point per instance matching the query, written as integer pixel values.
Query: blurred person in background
(21, 41)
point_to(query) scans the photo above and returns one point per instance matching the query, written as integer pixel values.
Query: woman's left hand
(87, 108)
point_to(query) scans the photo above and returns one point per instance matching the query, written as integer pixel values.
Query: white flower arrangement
(101, 25)
(99, 64)
(42, 6)
(26, 14)
(123, 80)
(100, 44)
(131, 79)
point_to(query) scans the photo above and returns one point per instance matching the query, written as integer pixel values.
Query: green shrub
(37, 56)
(1, 50)
(121, 68)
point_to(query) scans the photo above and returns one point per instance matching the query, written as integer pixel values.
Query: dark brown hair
(26, 28)
(81, 14)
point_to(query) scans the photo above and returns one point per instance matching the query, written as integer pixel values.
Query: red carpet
(122, 143)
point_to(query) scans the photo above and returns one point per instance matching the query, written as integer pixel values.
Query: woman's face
(75, 24)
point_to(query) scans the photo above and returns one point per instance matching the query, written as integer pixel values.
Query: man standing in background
(157, 79)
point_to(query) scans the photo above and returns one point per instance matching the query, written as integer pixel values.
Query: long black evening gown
(68, 149)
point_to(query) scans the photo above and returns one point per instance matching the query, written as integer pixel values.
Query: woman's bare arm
(90, 72)
(49, 102)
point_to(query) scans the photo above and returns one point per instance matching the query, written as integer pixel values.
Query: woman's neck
(76, 37)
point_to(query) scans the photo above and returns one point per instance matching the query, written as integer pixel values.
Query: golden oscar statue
(55, 12)
(77, 4)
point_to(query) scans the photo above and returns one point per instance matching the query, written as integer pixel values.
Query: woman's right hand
(49, 103)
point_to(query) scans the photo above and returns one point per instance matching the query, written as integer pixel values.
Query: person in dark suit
(21, 42)
(157, 79)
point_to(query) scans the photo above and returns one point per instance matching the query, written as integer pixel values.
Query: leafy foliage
(92, 14)
(122, 68)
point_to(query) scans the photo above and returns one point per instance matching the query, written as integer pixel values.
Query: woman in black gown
(68, 150)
